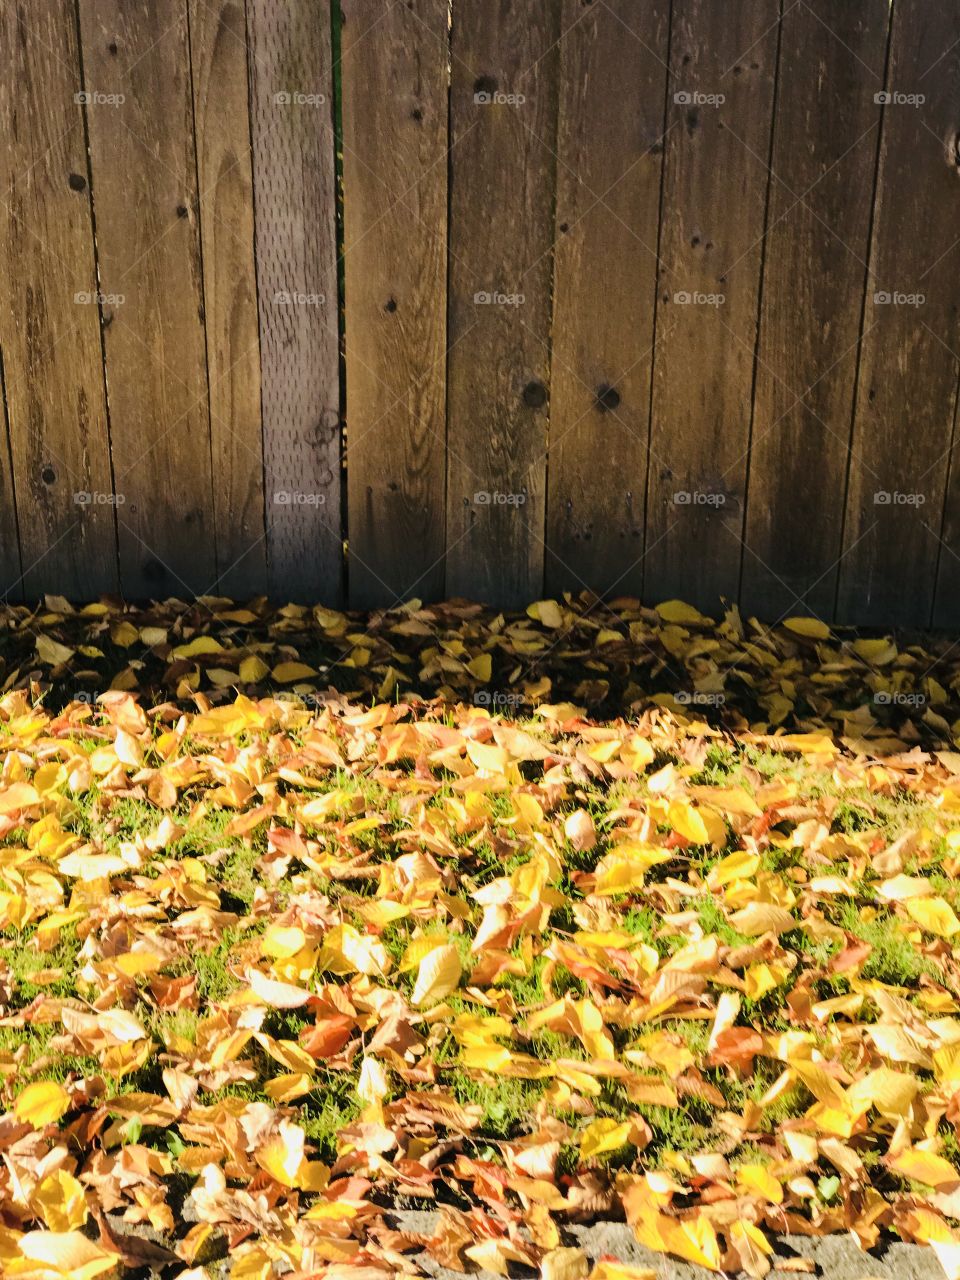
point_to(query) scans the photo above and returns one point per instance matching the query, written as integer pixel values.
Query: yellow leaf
(282, 941)
(19, 796)
(252, 1264)
(752, 1247)
(735, 800)
(935, 915)
(604, 1135)
(607, 1270)
(754, 1177)
(288, 1087)
(736, 866)
(282, 1156)
(625, 868)
(253, 669)
(287, 672)
(761, 978)
(564, 1264)
(52, 653)
(820, 1083)
(439, 974)
(61, 1201)
(373, 1084)
(200, 645)
(809, 628)
(134, 964)
(677, 611)
(486, 1057)
(287, 1052)
(637, 753)
(66, 1253)
(42, 1103)
(880, 652)
(891, 1092)
(687, 821)
(762, 917)
(547, 612)
(345, 948)
(278, 995)
(481, 667)
(124, 634)
(494, 1253)
(925, 1167)
(486, 758)
(693, 1239)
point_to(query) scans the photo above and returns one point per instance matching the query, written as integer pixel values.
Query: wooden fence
(372, 299)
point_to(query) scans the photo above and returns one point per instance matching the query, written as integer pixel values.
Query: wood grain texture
(145, 200)
(906, 395)
(11, 585)
(723, 65)
(218, 56)
(395, 262)
(610, 146)
(941, 275)
(49, 317)
(505, 72)
(294, 182)
(824, 161)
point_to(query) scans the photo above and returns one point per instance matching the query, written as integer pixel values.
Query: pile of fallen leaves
(596, 911)
(611, 658)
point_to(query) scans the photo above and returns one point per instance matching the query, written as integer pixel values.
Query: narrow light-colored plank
(137, 71)
(49, 316)
(610, 145)
(11, 585)
(505, 67)
(218, 58)
(906, 391)
(294, 182)
(825, 153)
(723, 66)
(395, 260)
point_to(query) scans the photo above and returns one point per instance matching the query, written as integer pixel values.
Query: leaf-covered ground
(592, 910)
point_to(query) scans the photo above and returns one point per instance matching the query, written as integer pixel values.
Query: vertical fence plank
(908, 368)
(723, 66)
(395, 265)
(140, 120)
(49, 319)
(11, 587)
(824, 163)
(941, 274)
(218, 57)
(610, 148)
(294, 179)
(503, 117)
